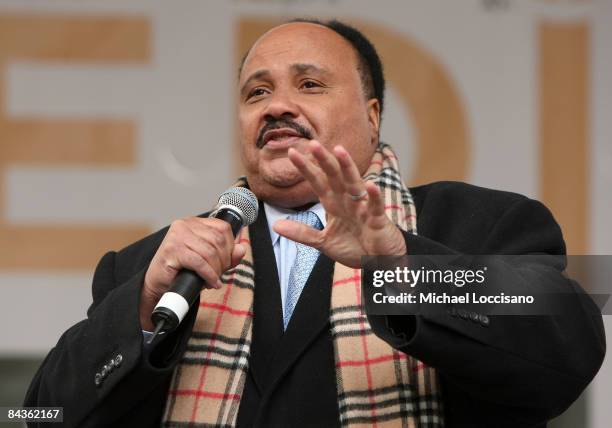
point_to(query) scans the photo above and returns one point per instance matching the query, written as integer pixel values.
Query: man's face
(299, 82)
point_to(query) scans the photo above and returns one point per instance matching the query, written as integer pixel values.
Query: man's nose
(280, 104)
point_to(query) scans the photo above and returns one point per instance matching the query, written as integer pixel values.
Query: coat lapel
(311, 315)
(273, 351)
(268, 317)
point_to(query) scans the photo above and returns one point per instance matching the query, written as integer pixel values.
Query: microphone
(239, 207)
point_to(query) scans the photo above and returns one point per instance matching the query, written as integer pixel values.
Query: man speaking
(278, 337)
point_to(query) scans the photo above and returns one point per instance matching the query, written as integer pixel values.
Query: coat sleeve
(523, 369)
(111, 336)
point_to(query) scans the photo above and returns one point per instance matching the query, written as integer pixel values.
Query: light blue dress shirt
(286, 249)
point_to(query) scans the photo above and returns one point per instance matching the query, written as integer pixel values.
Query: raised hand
(356, 221)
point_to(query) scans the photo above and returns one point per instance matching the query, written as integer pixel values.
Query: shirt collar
(276, 213)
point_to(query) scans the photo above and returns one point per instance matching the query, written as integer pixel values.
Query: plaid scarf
(377, 385)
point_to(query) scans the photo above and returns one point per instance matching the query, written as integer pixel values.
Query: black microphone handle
(187, 284)
(231, 217)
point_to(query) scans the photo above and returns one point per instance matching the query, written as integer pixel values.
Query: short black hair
(368, 62)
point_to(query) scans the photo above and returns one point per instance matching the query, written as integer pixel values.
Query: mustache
(279, 124)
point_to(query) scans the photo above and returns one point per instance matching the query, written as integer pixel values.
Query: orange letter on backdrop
(97, 143)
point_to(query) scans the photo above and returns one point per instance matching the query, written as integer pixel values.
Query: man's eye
(309, 84)
(257, 92)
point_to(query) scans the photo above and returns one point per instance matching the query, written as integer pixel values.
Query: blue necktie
(305, 260)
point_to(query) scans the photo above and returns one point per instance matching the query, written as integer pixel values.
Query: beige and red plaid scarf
(377, 385)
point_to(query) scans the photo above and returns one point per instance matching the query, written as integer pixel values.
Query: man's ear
(373, 108)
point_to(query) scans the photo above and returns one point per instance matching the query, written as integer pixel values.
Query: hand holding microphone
(194, 254)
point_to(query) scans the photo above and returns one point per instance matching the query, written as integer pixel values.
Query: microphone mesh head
(242, 199)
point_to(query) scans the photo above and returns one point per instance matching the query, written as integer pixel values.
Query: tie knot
(307, 217)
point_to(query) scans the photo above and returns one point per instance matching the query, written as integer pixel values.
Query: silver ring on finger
(359, 196)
